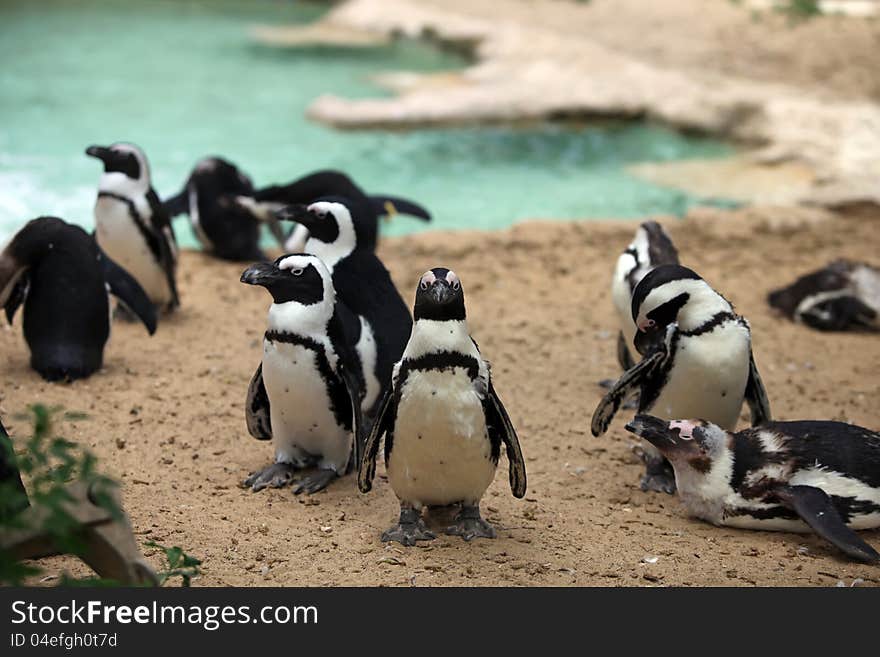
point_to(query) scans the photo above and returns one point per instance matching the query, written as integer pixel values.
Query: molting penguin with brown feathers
(442, 421)
(61, 276)
(131, 224)
(782, 476)
(696, 362)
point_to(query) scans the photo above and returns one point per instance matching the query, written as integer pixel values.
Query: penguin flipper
(625, 386)
(380, 203)
(351, 373)
(501, 428)
(125, 287)
(756, 395)
(256, 413)
(839, 314)
(166, 243)
(383, 424)
(623, 356)
(16, 296)
(177, 204)
(815, 508)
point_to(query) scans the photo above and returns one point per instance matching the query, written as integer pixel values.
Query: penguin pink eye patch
(685, 428)
(429, 278)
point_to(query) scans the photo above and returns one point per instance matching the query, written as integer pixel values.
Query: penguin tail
(391, 205)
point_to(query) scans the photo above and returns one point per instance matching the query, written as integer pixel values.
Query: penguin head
(672, 294)
(123, 159)
(344, 222)
(299, 278)
(439, 296)
(688, 444)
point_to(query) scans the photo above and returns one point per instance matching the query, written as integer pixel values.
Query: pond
(185, 79)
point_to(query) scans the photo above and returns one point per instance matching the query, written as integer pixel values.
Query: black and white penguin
(442, 420)
(844, 295)
(224, 227)
(305, 396)
(132, 226)
(697, 361)
(61, 276)
(337, 229)
(650, 248)
(783, 476)
(327, 183)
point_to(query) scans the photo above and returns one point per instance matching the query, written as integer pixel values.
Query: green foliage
(49, 463)
(178, 564)
(801, 9)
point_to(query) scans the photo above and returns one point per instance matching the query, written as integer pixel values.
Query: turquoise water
(184, 80)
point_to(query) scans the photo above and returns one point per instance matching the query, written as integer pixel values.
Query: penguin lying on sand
(784, 476)
(332, 183)
(697, 361)
(650, 248)
(306, 394)
(61, 276)
(225, 228)
(844, 295)
(338, 229)
(132, 226)
(443, 423)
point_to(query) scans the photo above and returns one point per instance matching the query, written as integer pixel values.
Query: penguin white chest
(441, 452)
(708, 377)
(119, 237)
(304, 427)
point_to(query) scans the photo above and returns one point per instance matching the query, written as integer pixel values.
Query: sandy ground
(166, 417)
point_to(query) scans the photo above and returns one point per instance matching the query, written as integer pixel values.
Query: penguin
(306, 393)
(781, 476)
(844, 295)
(131, 224)
(332, 183)
(650, 247)
(224, 227)
(338, 229)
(15, 498)
(442, 421)
(697, 362)
(61, 276)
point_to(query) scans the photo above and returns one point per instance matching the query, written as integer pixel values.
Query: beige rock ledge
(524, 71)
(323, 33)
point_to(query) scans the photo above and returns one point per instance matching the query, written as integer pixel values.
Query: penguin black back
(330, 182)
(61, 276)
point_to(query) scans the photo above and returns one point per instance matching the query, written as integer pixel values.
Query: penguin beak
(654, 430)
(264, 274)
(441, 292)
(298, 213)
(101, 152)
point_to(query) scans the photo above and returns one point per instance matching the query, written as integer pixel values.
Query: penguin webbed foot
(276, 475)
(470, 525)
(409, 529)
(314, 482)
(659, 476)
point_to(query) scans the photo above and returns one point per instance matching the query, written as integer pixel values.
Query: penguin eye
(423, 285)
(296, 272)
(456, 285)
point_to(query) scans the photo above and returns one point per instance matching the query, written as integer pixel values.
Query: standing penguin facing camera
(132, 226)
(442, 421)
(696, 362)
(61, 276)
